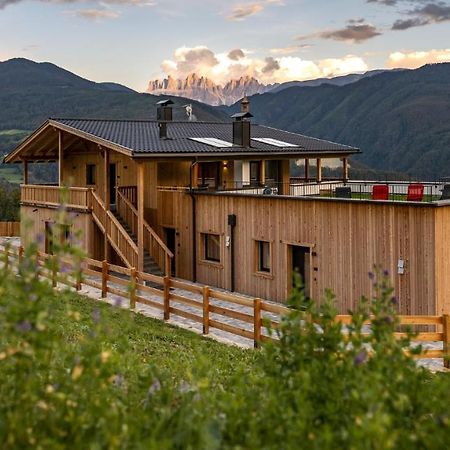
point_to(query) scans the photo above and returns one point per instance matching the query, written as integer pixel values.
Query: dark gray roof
(142, 137)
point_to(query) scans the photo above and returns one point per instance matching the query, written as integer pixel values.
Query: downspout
(194, 223)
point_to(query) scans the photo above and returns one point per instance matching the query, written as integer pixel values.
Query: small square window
(264, 263)
(90, 174)
(211, 247)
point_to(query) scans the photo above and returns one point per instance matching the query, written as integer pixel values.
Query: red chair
(415, 192)
(380, 192)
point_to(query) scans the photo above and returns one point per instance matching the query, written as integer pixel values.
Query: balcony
(53, 196)
(399, 191)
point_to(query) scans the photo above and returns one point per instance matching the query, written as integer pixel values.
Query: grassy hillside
(400, 120)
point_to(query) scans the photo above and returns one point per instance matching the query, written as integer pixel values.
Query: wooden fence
(9, 229)
(253, 314)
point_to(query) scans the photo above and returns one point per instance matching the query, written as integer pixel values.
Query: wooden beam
(284, 166)
(106, 193)
(345, 169)
(25, 171)
(262, 173)
(306, 169)
(60, 158)
(319, 170)
(140, 209)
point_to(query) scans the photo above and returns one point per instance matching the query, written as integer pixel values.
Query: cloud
(96, 14)
(100, 3)
(413, 60)
(289, 49)
(236, 54)
(425, 15)
(220, 68)
(353, 32)
(242, 11)
(271, 66)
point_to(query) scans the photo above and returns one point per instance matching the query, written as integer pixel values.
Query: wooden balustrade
(76, 197)
(152, 242)
(116, 234)
(130, 193)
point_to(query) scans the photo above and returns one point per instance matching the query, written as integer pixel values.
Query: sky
(134, 41)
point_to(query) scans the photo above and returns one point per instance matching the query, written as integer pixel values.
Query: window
(255, 173)
(211, 245)
(264, 262)
(90, 174)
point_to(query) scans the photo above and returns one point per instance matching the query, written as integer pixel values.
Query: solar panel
(213, 142)
(274, 142)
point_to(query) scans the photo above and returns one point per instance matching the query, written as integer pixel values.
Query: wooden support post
(60, 159)
(25, 171)
(345, 169)
(104, 279)
(306, 169)
(284, 177)
(106, 201)
(166, 298)
(140, 210)
(446, 339)
(257, 322)
(133, 276)
(205, 309)
(319, 170)
(78, 276)
(168, 265)
(262, 173)
(21, 252)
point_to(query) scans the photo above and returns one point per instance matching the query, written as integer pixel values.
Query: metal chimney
(164, 115)
(241, 129)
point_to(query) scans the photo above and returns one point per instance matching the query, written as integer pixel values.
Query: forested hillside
(400, 120)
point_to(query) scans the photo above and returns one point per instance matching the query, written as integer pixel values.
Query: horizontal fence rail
(211, 308)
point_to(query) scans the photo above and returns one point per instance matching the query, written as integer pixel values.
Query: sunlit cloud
(413, 60)
(243, 11)
(220, 68)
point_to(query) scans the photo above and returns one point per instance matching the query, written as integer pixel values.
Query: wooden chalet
(215, 203)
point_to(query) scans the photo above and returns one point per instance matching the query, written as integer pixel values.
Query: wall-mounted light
(225, 164)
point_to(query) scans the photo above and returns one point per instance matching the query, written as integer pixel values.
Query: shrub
(321, 385)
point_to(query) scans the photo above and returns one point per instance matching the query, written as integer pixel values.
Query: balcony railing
(357, 190)
(53, 196)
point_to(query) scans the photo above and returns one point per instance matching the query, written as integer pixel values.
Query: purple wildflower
(394, 300)
(33, 297)
(118, 380)
(371, 275)
(385, 272)
(65, 268)
(155, 387)
(117, 301)
(184, 387)
(40, 238)
(24, 326)
(388, 319)
(360, 358)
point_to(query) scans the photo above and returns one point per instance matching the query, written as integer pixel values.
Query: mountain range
(399, 119)
(207, 91)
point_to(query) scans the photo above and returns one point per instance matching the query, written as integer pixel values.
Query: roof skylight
(274, 142)
(213, 142)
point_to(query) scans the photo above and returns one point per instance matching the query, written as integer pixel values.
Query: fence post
(54, 271)
(133, 274)
(446, 339)
(205, 309)
(256, 322)
(21, 252)
(104, 279)
(166, 298)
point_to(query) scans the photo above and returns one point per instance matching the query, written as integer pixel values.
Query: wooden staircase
(120, 228)
(150, 265)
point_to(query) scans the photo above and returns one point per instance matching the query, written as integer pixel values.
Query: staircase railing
(152, 242)
(114, 231)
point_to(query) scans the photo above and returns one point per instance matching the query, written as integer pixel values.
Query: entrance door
(171, 242)
(300, 265)
(112, 184)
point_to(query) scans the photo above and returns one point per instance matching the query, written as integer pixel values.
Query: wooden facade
(174, 207)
